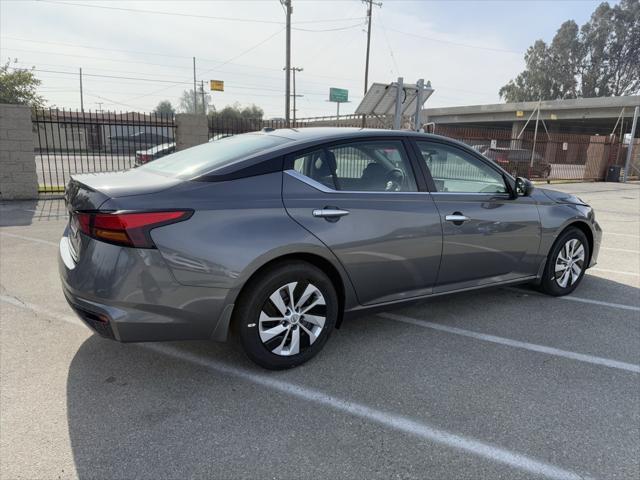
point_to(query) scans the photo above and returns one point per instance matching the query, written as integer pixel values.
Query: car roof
(308, 137)
(327, 133)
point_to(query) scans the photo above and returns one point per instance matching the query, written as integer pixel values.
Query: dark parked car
(285, 233)
(153, 153)
(517, 161)
(137, 141)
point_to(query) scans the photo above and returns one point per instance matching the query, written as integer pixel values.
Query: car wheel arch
(340, 283)
(585, 228)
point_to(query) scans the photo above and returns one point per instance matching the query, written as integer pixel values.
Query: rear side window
(369, 166)
(213, 155)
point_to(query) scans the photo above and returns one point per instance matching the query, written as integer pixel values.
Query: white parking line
(619, 250)
(573, 298)
(387, 419)
(607, 233)
(515, 343)
(30, 239)
(390, 420)
(621, 306)
(619, 272)
(46, 312)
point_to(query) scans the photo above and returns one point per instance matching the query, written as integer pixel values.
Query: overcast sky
(468, 49)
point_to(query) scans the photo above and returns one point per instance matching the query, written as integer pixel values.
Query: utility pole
(294, 70)
(627, 163)
(370, 5)
(81, 96)
(204, 107)
(99, 106)
(195, 94)
(287, 83)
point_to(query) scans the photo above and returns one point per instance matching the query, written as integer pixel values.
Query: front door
(361, 199)
(488, 236)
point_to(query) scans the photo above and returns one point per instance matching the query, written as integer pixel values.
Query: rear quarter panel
(237, 227)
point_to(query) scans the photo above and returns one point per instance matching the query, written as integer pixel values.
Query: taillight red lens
(502, 158)
(84, 222)
(131, 229)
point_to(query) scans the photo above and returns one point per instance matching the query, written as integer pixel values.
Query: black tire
(551, 281)
(255, 299)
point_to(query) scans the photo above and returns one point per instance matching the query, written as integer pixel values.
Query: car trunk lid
(92, 191)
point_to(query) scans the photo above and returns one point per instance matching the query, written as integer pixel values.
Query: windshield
(204, 158)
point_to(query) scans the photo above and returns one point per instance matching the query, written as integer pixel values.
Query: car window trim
(503, 174)
(323, 188)
(291, 157)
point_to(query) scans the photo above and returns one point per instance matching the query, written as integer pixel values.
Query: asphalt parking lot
(498, 384)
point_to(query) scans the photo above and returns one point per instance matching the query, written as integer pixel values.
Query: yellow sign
(217, 85)
(519, 113)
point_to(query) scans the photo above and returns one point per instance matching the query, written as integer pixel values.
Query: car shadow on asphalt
(18, 213)
(134, 412)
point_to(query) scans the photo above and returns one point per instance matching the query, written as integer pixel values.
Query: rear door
(488, 236)
(364, 201)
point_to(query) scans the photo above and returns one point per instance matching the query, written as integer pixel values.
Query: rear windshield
(210, 156)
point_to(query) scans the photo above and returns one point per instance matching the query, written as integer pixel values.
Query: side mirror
(524, 187)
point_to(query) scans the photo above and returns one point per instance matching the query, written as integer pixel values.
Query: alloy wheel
(292, 318)
(569, 263)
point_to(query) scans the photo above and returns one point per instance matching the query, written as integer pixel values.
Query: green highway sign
(339, 95)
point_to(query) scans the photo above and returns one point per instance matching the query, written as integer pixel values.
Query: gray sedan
(280, 235)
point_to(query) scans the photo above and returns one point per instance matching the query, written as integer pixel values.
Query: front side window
(456, 171)
(368, 166)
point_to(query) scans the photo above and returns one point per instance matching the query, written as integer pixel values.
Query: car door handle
(456, 217)
(330, 213)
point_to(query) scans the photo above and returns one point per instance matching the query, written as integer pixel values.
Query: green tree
(239, 118)
(19, 86)
(165, 108)
(237, 112)
(187, 102)
(599, 59)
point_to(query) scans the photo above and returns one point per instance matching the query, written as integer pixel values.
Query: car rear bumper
(130, 295)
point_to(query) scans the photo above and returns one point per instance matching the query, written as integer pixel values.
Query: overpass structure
(593, 116)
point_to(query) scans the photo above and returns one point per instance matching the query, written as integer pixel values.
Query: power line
(332, 77)
(29, 64)
(230, 85)
(199, 16)
(106, 76)
(136, 52)
(391, 54)
(336, 29)
(245, 51)
(458, 44)
(221, 64)
(92, 57)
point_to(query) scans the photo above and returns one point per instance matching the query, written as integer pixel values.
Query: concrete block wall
(191, 130)
(18, 178)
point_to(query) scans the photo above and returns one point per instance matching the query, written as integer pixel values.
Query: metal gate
(68, 142)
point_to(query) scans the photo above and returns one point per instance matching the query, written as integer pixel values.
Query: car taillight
(144, 158)
(502, 159)
(129, 229)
